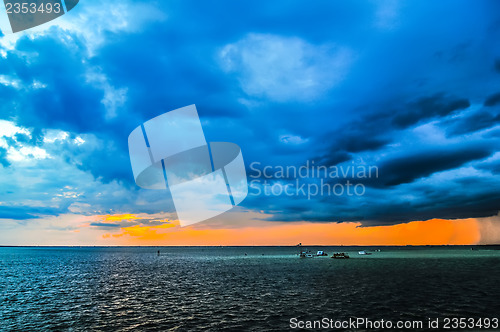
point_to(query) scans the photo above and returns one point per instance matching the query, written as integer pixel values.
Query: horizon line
(246, 246)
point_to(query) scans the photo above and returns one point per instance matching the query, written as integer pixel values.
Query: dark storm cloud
(67, 101)
(333, 157)
(472, 197)
(482, 119)
(492, 100)
(359, 137)
(376, 129)
(410, 167)
(428, 108)
(109, 162)
(446, 207)
(355, 137)
(361, 143)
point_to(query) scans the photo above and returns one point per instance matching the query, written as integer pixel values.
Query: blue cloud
(3, 157)
(23, 212)
(333, 82)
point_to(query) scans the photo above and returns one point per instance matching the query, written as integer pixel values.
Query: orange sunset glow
(430, 232)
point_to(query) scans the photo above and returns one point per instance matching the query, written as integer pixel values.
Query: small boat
(306, 254)
(321, 253)
(340, 255)
(362, 252)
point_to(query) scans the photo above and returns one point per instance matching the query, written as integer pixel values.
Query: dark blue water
(222, 289)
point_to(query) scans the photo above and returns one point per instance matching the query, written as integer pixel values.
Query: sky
(410, 88)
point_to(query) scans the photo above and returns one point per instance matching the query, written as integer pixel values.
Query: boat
(306, 254)
(362, 252)
(321, 253)
(340, 255)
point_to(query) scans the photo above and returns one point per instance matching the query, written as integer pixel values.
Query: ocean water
(239, 288)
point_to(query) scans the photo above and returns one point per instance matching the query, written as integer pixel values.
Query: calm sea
(239, 288)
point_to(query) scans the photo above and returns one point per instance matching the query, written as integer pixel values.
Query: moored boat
(340, 255)
(306, 254)
(321, 253)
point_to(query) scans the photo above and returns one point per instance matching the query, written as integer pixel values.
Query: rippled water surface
(239, 289)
